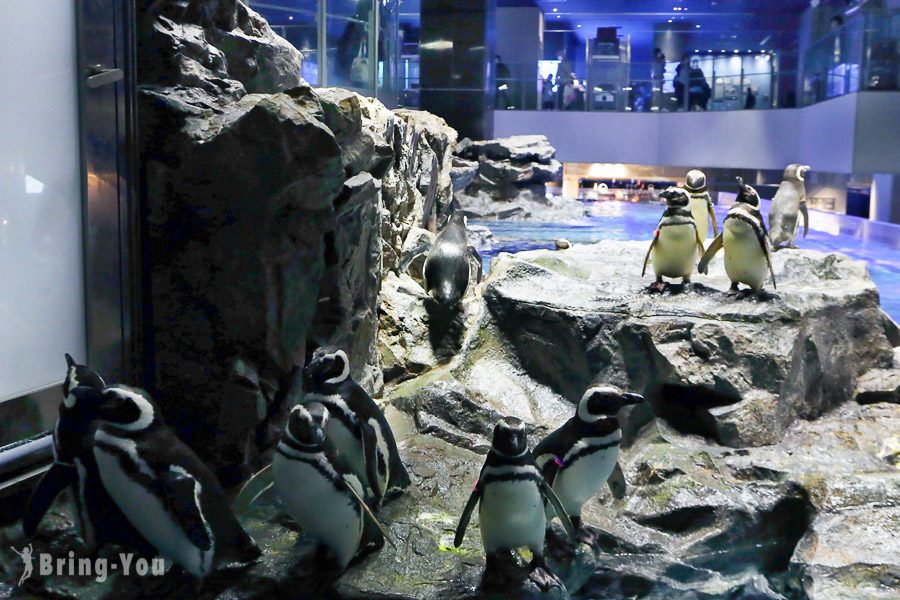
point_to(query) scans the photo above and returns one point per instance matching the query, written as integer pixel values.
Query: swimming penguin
(357, 426)
(789, 200)
(510, 493)
(162, 487)
(319, 489)
(676, 240)
(702, 208)
(447, 266)
(746, 244)
(580, 456)
(97, 517)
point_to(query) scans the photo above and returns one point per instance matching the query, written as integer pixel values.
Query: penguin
(447, 265)
(357, 427)
(702, 208)
(746, 243)
(676, 241)
(580, 456)
(319, 489)
(162, 487)
(510, 494)
(790, 199)
(98, 519)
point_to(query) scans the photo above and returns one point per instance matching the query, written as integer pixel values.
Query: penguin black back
(447, 265)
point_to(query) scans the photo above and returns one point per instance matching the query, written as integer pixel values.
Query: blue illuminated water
(878, 244)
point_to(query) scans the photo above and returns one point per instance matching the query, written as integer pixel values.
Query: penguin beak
(629, 399)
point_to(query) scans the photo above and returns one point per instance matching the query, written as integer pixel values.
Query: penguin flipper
(368, 442)
(466, 515)
(616, 482)
(59, 477)
(712, 215)
(255, 487)
(714, 247)
(416, 251)
(649, 251)
(370, 535)
(182, 498)
(551, 496)
(700, 247)
(473, 252)
(765, 247)
(805, 212)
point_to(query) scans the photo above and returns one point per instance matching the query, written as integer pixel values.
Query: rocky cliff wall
(274, 210)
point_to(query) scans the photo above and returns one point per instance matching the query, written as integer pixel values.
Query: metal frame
(111, 224)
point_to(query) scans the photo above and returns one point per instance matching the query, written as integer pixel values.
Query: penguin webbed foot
(658, 286)
(542, 577)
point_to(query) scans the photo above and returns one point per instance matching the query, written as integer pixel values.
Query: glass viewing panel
(41, 269)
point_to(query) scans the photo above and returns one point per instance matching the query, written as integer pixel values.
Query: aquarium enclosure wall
(450, 299)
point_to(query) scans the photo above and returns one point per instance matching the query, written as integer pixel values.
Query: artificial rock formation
(274, 212)
(506, 179)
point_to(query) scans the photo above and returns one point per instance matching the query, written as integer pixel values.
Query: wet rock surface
(506, 179)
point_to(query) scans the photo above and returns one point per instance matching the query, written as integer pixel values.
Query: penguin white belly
(348, 445)
(675, 252)
(511, 515)
(583, 478)
(322, 512)
(745, 261)
(700, 212)
(147, 513)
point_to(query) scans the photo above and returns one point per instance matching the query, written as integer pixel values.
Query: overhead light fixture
(291, 18)
(555, 10)
(737, 51)
(697, 26)
(579, 25)
(670, 20)
(559, 16)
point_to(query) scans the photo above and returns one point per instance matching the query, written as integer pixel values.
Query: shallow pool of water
(878, 244)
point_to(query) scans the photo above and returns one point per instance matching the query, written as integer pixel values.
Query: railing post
(322, 41)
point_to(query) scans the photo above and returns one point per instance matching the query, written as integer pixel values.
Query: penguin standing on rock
(579, 457)
(98, 519)
(676, 241)
(319, 489)
(447, 265)
(162, 487)
(744, 238)
(510, 494)
(702, 208)
(787, 206)
(356, 426)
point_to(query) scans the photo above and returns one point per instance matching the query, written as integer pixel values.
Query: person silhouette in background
(750, 102)
(547, 97)
(564, 76)
(503, 83)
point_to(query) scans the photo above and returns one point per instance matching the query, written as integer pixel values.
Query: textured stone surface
(737, 370)
(506, 177)
(273, 217)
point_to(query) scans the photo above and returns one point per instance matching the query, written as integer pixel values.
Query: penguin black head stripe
(604, 401)
(329, 366)
(306, 424)
(675, 197)
(79, 375)
(746, 193)
(510, 438)
(122, 407)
